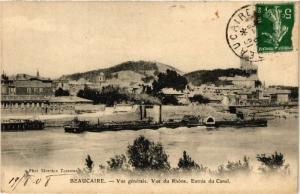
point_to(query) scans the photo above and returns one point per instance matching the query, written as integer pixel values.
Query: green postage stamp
(274, 27)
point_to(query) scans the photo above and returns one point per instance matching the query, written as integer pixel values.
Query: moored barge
(77, 126)
(81, 126)
(240, 123)
(21, 125)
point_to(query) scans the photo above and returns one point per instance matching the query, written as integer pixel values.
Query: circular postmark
(241, 34)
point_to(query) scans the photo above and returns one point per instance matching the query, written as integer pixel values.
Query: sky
(59, 38)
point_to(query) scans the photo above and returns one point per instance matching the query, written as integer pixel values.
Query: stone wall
(202, 111)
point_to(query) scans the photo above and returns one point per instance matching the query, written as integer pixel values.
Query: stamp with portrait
(274, 27)
(256, 29)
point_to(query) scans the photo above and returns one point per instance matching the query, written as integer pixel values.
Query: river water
(52, 148)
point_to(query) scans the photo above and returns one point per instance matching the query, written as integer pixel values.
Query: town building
(76, 85)
(278, 96)
(99, 79)
(61, 83)
(65, 104)
(265, 96)
(23, 84)
(250, 80)
(23, 91)
(240, 81)
(181, 96)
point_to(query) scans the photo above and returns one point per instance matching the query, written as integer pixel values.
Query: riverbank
(133, 113)
(127, 113)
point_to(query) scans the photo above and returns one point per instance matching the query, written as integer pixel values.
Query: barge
(239, 123)
(82, 126)
(191, 121)
(21, 125)
(77, 126)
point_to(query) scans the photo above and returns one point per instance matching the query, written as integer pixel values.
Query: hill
(212, 76)
(145, 69)
(137, 72)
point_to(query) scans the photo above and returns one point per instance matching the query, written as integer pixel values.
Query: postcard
(149, 97)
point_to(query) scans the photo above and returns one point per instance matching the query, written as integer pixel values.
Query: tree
(257, 83)
(61, 92)
(233, 168)
(186, 163)
(88, 93)
(89, 163)
(199, 99)
(118, 162)
(272, 163)
(109, 95)
(212, 76)
(168, 99)
(170, 79)
(147, 155)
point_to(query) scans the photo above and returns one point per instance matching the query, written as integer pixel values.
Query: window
(29, 90)
(41, 90)
(12, 91)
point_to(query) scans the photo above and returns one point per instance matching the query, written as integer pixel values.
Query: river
(52, 148)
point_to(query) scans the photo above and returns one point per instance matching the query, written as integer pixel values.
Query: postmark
(274, 27)
(241, 34)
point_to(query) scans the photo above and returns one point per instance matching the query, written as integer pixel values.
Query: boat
(21, 125)
(76, 126)
(80, 126)
(129, 125)
(241, 123)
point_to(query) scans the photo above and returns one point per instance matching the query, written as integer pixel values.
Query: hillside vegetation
(146, 71)
(144, 68)
(212, 76)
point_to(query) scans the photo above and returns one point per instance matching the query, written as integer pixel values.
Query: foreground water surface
(52, 148)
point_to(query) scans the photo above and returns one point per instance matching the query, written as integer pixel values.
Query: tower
(37, 73)
(248, 67)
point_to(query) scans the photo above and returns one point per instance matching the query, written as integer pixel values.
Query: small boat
(21, 125)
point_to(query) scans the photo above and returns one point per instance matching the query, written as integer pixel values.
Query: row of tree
(111, 95)
(145, 155)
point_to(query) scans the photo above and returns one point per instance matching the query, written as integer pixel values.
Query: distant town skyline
(63, 38)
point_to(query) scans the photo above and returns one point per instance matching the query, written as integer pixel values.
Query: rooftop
(24, 77)
(276, 91)
(171, 91)
(239, 78)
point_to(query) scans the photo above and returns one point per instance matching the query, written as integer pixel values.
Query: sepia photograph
(149, 97)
